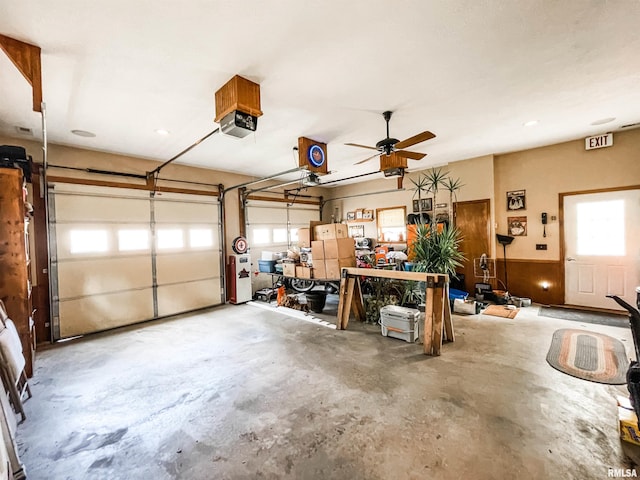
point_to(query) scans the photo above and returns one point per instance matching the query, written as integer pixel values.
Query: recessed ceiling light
(162, 131)
(83, 133)
(602, 121)
(530, 123)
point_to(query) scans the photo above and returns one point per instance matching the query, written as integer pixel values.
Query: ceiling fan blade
(367, 159)
(421, 137)
(361, 146)
(411, 155)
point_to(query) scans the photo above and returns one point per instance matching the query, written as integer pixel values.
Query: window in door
(600, 228)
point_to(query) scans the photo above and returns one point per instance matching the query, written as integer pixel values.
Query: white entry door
(602, 248)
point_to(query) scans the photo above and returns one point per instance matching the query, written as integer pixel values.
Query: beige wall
(548, 171)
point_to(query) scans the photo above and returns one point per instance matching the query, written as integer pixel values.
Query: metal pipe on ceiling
(175, 157)
(348, 178)
(269, 187)
(263, 179)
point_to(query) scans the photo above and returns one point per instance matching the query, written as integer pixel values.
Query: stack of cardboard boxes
(324, 250)
(332, 250)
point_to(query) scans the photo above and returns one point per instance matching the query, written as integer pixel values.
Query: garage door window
(170, 238)
(200, 237)
(88, 241)
(132, 240)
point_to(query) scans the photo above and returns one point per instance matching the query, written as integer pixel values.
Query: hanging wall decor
(516, 200)
(517, 226)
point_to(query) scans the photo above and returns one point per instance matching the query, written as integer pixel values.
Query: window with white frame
(391, 224)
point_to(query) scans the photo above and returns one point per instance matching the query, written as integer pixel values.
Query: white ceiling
(473, 72)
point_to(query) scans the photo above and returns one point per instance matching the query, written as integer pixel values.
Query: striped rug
(588, 355)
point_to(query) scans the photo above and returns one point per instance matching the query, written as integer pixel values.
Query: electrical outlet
(553, 218)
(541, 246)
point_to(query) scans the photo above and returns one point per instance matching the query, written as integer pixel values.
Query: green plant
(413, 293)
(437, 251)
(452, 186)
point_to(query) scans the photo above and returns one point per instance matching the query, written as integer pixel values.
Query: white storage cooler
(400, 322)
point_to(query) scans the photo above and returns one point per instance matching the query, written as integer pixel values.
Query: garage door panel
(102, 312)
(186, 212)
(82, 208)
(174, 299)
(184, 267)
(90, 277)
(301, 216)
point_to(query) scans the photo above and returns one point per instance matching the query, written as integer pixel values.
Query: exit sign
(599, 141)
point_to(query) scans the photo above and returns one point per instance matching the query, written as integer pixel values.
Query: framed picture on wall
(356, 231)
(517, 226)
(416, 206)
(367, 215)
(426, 204)
(516, 200)
(351, 216)
(359, 213)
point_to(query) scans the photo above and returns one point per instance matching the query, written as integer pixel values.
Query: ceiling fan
(390, 145)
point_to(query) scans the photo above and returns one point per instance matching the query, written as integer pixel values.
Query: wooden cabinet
(15, 284)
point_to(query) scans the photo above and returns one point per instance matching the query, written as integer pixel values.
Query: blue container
(267, 266)
(408, 266)
(453, 294)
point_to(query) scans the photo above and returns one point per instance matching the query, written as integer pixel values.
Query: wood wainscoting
(526, 278)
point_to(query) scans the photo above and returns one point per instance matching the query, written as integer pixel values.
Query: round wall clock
(315, 155)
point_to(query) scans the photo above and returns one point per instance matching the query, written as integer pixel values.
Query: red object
(381, 254)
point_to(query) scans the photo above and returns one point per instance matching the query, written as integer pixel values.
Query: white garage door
(273, 226)
(120, 256)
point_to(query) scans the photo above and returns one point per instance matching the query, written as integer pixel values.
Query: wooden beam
(281, 200)
(438, 314)
(26, 58)
(427, 342)
(448, 322)
(133, 186)
(344, 308)
(394, 274)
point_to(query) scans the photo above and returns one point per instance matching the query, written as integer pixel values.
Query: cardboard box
(319, 270)
(312, 228)
(304, 237)
(339, 248)
(303, 272)
(289, 269)
(628, 424)
(334, 266)
(317, 249)
(330, 230)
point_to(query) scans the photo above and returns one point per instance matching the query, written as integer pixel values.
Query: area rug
(585, 316)
(588, 355)
(501, 311)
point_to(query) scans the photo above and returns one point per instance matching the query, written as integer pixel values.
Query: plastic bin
(267, 266)
(453, 294)
(400, 322)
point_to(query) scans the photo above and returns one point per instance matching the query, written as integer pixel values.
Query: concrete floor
(240, 392)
